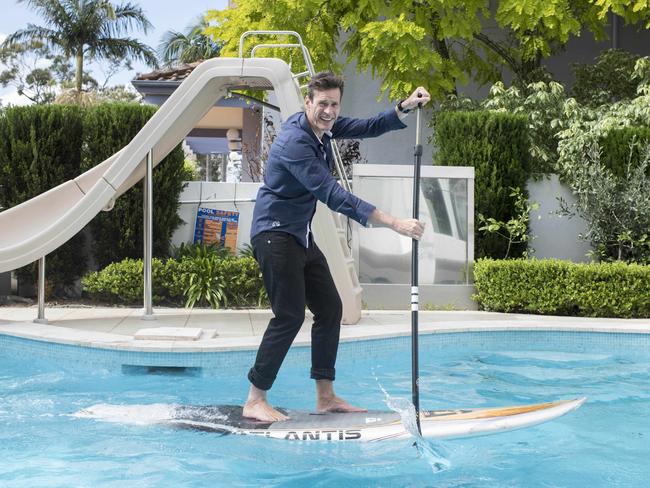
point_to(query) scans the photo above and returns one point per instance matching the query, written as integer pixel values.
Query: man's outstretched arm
(407, 227)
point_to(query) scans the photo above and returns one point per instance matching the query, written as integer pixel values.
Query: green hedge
(122, 282)
(616, 150)
(40, 148)
(563, 288)
(497, 146)
(118, 233)
(43, 146)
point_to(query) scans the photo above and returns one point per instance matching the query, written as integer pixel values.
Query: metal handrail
(338, 161)
(305, 51)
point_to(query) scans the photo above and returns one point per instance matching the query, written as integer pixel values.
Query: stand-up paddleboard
(366, 426)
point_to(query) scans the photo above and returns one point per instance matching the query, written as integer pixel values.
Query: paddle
(415, 297)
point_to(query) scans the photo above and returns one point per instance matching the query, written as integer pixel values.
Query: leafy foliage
(32, 69)
(43, 146)
(496, 145)
(616, 209)
(622, 148)
(433, 43)
(609, 79)
(206, 279)
(205, 285)
(515, 230)
(195, 45)
(40, 148)
(563, 288)
(584, 127)
(88, 29)
(118, 233)
(596, 151)
(543, 105)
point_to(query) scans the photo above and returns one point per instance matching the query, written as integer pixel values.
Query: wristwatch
(402, 109)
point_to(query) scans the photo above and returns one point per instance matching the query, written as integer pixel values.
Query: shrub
(616, 210)
(44, 146)
(563, 288)
(497, 146)
(40, 149)
(123, 282)
(610, 79)
(208, 279)
(245, 285)
(623, 147)
(118, 233)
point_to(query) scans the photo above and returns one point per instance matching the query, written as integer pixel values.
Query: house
(234, 123)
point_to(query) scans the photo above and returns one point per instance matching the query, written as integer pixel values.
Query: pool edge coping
(349, 333)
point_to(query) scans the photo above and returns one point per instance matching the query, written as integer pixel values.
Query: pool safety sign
(216, 226)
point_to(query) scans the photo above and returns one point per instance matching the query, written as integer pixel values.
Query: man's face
(323, 110)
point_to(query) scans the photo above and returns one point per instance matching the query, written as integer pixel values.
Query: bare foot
(327, 401)
(258, 408)
(261, 410)
(336, 405)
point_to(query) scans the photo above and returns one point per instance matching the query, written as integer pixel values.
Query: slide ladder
(329, 227)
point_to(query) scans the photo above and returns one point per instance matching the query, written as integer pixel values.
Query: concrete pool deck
(226, 330)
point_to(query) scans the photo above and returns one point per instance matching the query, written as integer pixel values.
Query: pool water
(604, 443)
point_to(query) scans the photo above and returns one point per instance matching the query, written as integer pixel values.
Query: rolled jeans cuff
(323, 374)
(259, 381)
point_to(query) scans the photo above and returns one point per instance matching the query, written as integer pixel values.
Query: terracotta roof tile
(176, 73)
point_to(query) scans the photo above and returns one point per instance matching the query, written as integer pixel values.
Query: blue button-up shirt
(298, 173)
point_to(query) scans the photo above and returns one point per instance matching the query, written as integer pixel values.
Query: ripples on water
(605, 443)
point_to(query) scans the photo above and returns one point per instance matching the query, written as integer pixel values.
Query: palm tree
(178, 48)
(88, 29)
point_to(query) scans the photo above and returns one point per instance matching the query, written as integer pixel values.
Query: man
(295, 271)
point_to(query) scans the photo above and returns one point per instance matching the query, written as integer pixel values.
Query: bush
(610, 79)
(118, 233)
(563, 288)
(39, 149)
(623, 147)
(212, 280)
(123, 282)
(616, 210)
(497, 146)
(45, 145)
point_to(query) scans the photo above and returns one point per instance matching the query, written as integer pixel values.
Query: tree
(32, 69)
(195, 45)
(87, 30)
(435, 43)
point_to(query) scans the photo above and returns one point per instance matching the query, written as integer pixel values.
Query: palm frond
(122, 48)
(129, 16)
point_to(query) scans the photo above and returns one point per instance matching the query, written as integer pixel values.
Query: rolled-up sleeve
(303, 163)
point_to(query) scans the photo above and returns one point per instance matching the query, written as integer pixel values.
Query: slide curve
(38, 226)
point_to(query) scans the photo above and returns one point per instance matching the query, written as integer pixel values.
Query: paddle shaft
(415, 296)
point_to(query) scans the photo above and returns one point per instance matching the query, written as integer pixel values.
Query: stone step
(171, 334)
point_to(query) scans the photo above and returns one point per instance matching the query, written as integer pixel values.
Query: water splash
(129, 414)
(406, 410)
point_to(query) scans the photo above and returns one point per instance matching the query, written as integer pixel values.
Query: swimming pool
(605, 443)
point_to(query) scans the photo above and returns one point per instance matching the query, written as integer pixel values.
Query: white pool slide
(38, 226)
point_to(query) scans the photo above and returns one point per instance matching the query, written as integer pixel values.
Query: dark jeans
(295, 276)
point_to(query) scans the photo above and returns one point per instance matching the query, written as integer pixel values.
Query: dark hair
(324, 80)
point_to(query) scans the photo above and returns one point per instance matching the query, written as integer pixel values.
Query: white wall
(557, 237)
(396, 147)
(226, 195)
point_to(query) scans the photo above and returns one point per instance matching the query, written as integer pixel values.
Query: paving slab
(116, 327)
(169, 334)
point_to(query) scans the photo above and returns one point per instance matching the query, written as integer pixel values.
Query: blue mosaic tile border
(349, 352)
